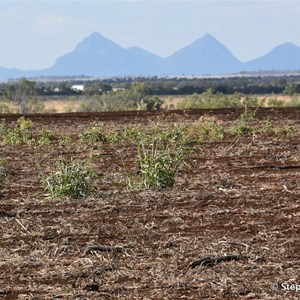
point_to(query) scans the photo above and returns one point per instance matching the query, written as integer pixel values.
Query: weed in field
(2, 162)
(210, 130)
(241, 128)
(64, 141)
(294, 102)
(20, 134)
(206, 129)
(72, 179)
(25, 124)
(241, 125)
(248, 115)
(128, 178)
(46, 138)
(274, 102)
(94, 135)
(3, 127)
(2, 172)
(1, 182)
(270, 128)
(211, 100)
(158, 166)
(285, 131)
(4, 109)
(170, 134)
(134, 134)
(100, 133)
(252, 102)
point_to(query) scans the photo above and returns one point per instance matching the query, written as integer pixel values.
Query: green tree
(291, 89)
(22, 94)
(151, 102)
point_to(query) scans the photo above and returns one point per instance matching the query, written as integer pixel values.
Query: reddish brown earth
(240, 196)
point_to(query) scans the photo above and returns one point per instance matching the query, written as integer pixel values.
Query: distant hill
(6, 74)
(205, 56)
(146, 55)
(282, 58)
(97, 56)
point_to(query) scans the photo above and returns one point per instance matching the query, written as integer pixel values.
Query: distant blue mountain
(98, 56)
(6, 74)
(282, 58)
(205, 56)
(145, 55)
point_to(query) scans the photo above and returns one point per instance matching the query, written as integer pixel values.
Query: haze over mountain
(204, 56)
(282, 58)
(100, 57)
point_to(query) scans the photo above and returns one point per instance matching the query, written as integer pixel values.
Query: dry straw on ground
(240, 197)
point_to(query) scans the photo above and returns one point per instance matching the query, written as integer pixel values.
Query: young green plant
(72, 179)
(158, 165)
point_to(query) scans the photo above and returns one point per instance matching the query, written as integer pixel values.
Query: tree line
(144, 93)
(168, 86)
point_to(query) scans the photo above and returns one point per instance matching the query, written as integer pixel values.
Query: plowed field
(236, 201)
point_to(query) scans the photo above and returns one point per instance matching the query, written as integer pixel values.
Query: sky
(35, 33)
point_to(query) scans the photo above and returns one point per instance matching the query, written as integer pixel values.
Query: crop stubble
(240, 196)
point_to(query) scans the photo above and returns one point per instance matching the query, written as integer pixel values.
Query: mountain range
(98, 56)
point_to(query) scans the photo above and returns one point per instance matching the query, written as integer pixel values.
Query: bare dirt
(239, 197)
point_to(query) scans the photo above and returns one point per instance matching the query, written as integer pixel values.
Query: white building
(78, 87)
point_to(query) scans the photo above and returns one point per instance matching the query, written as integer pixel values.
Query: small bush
(171, 134)
(158, 167)
(25, 124)
(295, 102)
(241, 128)
(16, 136)
(134, 134)
(93, 135)
(248, 115)
(72, 179)
(211, 100)
(251, 102)
(4, 109)
(20, 134)
(210, 130)
(46, 138)
(285, 131)
(268, 127)
(274, 102)
(3, 127)
(206, 129)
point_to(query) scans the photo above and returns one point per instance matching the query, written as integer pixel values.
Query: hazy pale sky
(35, 33)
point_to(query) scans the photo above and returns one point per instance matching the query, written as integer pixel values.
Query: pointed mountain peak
(204, 56)
(95, 42)
(95, 35)
(207, 39)
(208, 36)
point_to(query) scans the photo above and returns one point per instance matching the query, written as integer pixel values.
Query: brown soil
(238, 197)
